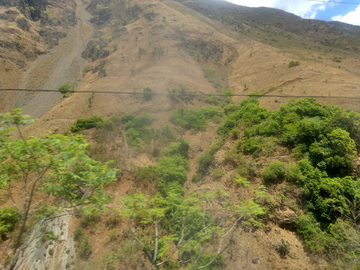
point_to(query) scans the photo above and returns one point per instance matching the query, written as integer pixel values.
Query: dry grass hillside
(170, 47)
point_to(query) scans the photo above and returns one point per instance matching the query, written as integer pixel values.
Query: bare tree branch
(220, 244)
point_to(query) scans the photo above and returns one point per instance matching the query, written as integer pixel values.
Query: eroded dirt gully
(63, 64)
(60, 65)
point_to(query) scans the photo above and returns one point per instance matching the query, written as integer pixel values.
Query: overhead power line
(181, 94)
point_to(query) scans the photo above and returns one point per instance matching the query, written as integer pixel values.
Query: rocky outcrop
(49, 246)
(30, 8)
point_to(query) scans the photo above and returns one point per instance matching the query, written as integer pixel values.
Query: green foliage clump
(170, 172)
(253, 146)
(284, 248)
(209, 73)
(223, 99)
(86, 69)
(314, 237)
(66, 90)
(339, 241)
(56, 166)
(87, 123)
(248, 110)
(327, 197)
(145, 175)
(9, 216)
(137, 128)
(91, 216)
(294, 63)
(85, 248)
(325, 134)
(204, 162)
(276, 170)
(195, 120)
(148, 93)
(218, 173)
(235, 133)
(184, 224)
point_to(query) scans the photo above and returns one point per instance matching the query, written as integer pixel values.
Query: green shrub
(294, 174)
(102, 70)
(247, 167)
(115, 119)
(220, 100)
(253, 146)
(112, 219)
(106, 125)
(137, 128)
(181, 147)
(218, 173)
(9, 216)
(241, 181)
(98, 8)
(195, 120)
(214, 100)
(284, 248)
(125, 118)
(78, 233)
(230, 108)
(91, 216)
(145, 175)
(167, 133)
(315, 239)
(235, 133)
(196, 178)
(85, 248)
(113, 235)
(87, 68)
(134, 137)
(209, 73)
(294, 63)
(204, 162)
(171, 169)
(213, 148)
(148, 93)
(172, 187)
(87, 123)
(66, 89)
(276, 170)
(269, 146)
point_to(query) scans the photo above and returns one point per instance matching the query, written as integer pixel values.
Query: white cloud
(300, 8)
(353, 17)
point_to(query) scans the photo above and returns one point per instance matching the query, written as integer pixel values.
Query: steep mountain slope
(175, 49)
(28, 30)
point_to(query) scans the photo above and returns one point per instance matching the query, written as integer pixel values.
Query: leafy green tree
(183, 233)
(56, 166)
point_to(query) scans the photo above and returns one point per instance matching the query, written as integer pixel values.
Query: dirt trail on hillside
(61, 65)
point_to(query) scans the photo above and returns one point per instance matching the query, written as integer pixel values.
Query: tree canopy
(56, 165)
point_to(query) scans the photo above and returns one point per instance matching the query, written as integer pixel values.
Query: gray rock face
(37, 7)
(43, 253)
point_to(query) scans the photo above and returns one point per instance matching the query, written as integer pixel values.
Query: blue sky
(328, 11)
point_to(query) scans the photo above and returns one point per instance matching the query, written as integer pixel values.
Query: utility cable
(181, 94)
